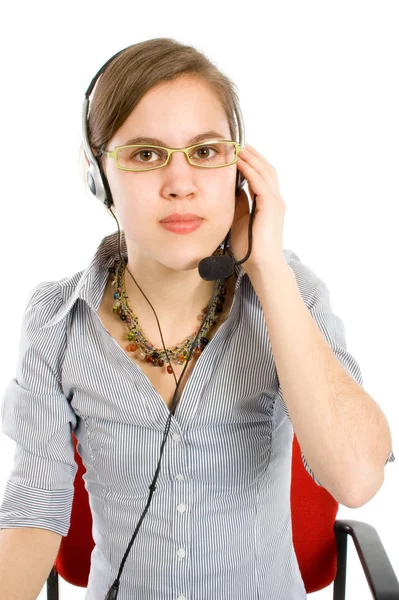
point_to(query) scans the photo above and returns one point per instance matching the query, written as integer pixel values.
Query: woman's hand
(268, 222)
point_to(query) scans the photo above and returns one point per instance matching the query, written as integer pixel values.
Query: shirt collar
(91, 284)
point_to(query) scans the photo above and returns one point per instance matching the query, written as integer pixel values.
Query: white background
(318, 83)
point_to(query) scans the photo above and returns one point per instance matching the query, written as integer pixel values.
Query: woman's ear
(242, 207)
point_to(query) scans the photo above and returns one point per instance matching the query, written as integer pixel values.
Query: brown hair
(135, 71)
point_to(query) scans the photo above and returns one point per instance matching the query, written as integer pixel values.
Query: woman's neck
(177, 298)
(177, 308)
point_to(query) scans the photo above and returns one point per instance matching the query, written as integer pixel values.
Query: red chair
(320, 541)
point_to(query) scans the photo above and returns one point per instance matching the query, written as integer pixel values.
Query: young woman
(93, 354)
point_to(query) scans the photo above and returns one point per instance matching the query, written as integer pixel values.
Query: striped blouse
(219, 524)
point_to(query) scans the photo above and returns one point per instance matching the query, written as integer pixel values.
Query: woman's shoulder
(47, 299)
(307, 278)
(54, 299)
(48, 292)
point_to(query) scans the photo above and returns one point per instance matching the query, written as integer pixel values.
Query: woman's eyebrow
(157, 142)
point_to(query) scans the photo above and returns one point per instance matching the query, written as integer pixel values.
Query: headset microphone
(222, 267)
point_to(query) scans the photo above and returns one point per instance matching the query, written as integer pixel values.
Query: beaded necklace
(136, 337)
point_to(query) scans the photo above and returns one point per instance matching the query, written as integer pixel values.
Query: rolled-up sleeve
(38, 417)
(316, 296)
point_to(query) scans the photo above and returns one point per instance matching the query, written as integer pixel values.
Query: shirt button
(176, 437)
(181, 553)
(179, 477)
(181, 508)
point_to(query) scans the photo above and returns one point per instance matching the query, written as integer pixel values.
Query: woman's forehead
(166, 127)
(175, 114)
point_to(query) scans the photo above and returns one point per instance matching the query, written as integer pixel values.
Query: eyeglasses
(140, 157)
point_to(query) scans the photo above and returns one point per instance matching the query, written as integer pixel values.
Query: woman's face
(174, 112)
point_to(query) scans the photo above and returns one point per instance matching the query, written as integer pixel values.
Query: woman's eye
(144, 155)
(204, 152)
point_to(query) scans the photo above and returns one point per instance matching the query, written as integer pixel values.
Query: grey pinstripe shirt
(219, 525)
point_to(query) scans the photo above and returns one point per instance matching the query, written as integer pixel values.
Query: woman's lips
(182, 226)
(181, 217)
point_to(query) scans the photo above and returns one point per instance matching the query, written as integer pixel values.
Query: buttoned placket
(175, 450)
(181, 514)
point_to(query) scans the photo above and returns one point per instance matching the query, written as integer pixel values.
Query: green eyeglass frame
(170, 151)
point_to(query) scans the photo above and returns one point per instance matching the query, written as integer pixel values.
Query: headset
(210, 269)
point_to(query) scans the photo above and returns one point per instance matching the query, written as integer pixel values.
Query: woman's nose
(179, 176)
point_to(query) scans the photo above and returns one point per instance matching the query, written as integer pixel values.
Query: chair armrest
(377, 568)
(52, 585)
